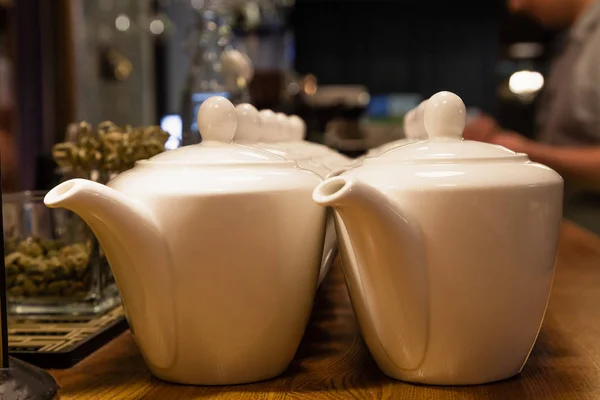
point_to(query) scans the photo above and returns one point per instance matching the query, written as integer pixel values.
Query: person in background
(568, 119)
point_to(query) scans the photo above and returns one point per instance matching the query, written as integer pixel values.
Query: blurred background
(88, 87)
(351, 69)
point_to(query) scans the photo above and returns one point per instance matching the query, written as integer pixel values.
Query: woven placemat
(62, 341)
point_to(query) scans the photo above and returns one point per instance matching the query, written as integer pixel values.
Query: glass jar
(54, 263)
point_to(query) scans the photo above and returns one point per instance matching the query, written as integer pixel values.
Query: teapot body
(244, 267)
(482, 268)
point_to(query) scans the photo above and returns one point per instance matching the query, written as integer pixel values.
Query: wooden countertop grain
(333, 362)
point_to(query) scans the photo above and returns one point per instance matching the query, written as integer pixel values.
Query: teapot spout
(138, 256)
(384, 260)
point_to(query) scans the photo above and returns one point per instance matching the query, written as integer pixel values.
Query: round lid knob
(217, 120)
(297, 127)
(269, 126)
(444, 119)
(414, 127)
(218, 123)
(419, 130)
(284, 127)
(445, 116)
(409, 124)
(248, 125)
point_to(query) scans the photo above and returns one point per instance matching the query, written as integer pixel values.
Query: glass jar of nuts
(54, 264)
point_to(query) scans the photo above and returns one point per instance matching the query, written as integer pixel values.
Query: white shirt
(569, 113)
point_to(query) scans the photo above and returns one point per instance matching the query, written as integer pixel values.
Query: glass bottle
(206, 77)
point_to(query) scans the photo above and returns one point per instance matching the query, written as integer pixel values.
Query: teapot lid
(219, 125)
(275, 133)
(445, 119)
(265, 130)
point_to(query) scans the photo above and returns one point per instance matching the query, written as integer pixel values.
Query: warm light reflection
(525, 82)
(122, 23)
(157, 27)
(310, 85)
(123, 69)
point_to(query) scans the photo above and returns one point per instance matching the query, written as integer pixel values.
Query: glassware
(54, 264)
(206, 76)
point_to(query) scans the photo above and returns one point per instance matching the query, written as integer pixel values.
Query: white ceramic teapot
(297, 134)
(250, 129)
(286, 134)
(281, 135)
(265, 130)
(452, 252)
(215, 248)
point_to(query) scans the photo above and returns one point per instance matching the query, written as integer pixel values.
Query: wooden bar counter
(333, 362)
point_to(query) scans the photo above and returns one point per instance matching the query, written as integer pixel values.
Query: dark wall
(401, 46)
